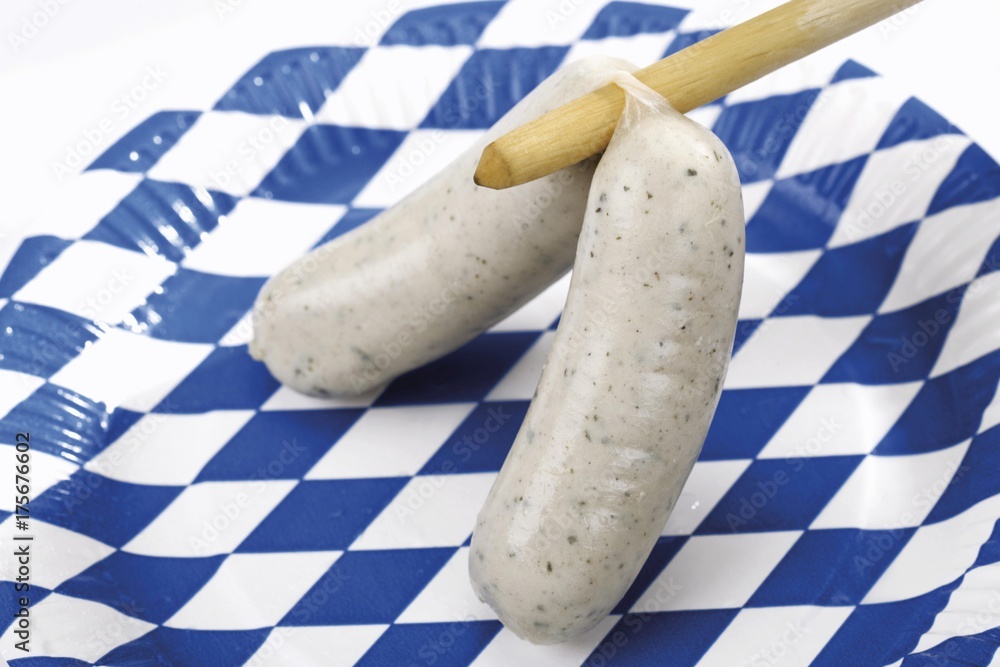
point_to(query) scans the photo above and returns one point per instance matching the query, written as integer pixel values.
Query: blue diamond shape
(61, 423)
(467, 374)
(759, 133)
(852, 279)
(322, 515)
(10, 599)
(329, 164)
(779, 494)
(190, 648)
(489, 84)
(33, 255)
(666, 639)
(901, 346)
(831, 567)
(975, 178)
(147, 142)
(746, 419)
(353, 219)
(444, 25)
(166, 219)
(801, 212)
(456, 643)
(228, 379)
(344, 595)
(625, 19)
(284, 82)
(875, 634)
(976, 479)
(39, 340)
(915, 121)
(663, 552)
(195, 307)
(946, 410)
(481, 442)
(279, 444)
(851, 69)
(105, 509)
(146, 587)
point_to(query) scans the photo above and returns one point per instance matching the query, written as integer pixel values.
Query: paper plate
(187, 510)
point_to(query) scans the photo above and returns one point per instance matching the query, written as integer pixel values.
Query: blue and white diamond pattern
(187, 508)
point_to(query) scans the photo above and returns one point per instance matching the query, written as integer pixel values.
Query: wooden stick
(688, 79)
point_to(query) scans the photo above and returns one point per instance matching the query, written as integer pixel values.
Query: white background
(60, 83)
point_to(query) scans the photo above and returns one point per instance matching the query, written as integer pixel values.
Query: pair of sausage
(636, 368)
(431, 273)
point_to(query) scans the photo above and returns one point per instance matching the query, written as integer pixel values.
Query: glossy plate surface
(189, 511)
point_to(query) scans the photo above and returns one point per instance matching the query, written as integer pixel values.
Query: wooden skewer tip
(493, 170)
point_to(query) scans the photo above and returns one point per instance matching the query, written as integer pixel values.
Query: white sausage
(431, 273)
(629, 387)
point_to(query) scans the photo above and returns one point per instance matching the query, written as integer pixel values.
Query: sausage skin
(431, 273)
(629, 387)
